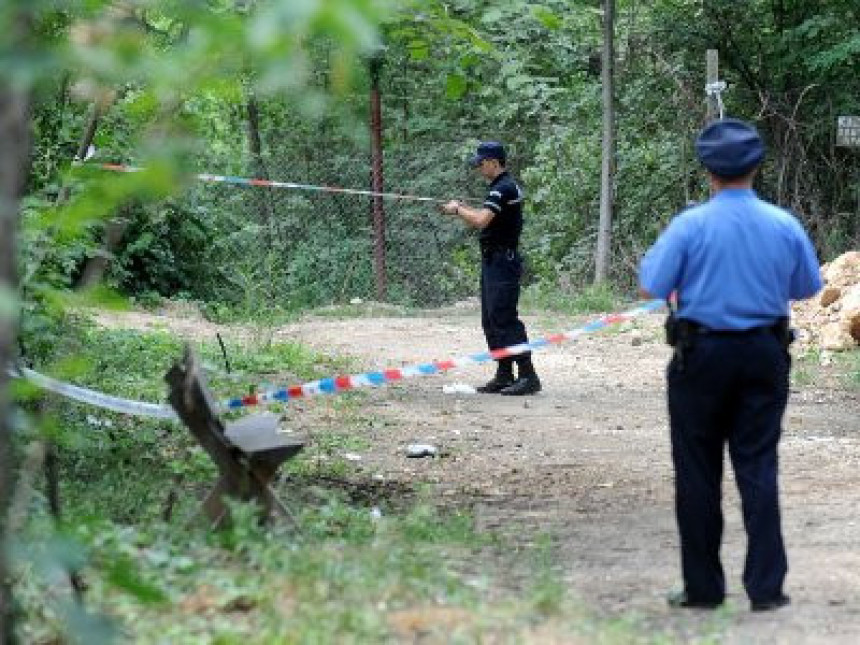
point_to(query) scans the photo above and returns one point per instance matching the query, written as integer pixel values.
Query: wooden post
(248, 453)
(712, 61)
(607, 170)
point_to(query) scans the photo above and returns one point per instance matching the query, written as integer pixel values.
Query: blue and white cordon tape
(331, 385)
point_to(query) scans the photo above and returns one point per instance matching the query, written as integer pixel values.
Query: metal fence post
(377, 178)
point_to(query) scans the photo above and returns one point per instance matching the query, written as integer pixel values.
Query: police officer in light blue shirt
(731, 264)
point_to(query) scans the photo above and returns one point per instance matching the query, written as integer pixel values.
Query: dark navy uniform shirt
(505, 199)
(736, 261)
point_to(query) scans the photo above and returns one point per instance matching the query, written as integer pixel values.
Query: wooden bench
(247, 452)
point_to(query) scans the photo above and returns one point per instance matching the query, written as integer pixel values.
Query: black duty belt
(489, 250)
(681, 330)
(752, 331)
(681, 334)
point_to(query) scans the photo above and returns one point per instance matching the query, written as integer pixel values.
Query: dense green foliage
(452, 74)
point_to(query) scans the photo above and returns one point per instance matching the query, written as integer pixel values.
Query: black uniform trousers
(501, 271)
(729, 388)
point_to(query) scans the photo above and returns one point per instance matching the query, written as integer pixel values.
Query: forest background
(283, 90)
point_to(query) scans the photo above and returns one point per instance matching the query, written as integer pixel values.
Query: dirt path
(587, 462)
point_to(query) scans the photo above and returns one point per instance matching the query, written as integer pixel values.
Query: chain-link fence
(312, 247)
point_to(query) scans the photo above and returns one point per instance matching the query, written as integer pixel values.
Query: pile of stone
(831, 320)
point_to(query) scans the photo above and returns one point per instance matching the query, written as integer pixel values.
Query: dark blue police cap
(729, 148)
(488, 150)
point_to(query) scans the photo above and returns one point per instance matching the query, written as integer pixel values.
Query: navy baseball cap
(488, 150)
(729, 148)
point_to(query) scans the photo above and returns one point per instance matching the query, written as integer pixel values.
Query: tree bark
(96, 266)
(14, 169)
(84, 143)
(607, 170)
(258, 164)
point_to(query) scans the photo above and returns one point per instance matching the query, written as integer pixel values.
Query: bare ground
(587, 462)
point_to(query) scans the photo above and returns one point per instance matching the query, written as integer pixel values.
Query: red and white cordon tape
(331, 385)
(267, 183)
(337, 384)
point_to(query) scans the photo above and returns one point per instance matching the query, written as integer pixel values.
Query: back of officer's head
(489, 150)
(730, 148)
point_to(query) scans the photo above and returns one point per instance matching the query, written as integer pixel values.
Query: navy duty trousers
(501, 271)
(730, 388)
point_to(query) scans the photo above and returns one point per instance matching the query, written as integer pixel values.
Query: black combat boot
(504, 377)
(527, 381)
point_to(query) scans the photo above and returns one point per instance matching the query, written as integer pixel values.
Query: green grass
(364, 309)
(367, 561)
(849, 363)
(593, 299)
(841, 370)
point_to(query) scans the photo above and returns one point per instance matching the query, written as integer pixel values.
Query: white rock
(835, 336)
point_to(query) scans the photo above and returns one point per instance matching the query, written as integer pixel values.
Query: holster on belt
(784, 333)
(679, 335)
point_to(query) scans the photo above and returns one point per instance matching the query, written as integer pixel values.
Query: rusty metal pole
(377, 179)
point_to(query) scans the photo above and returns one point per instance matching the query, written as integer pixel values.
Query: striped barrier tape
(98, 399)
(337, 384)
(266, 183)
(331, 385)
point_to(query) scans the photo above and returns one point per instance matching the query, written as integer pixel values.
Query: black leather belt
(752, 331)
(489, 251)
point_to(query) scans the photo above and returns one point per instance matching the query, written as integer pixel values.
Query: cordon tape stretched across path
(331, 385)
(266, 183)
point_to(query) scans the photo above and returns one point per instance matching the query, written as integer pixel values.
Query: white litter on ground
(458, 388)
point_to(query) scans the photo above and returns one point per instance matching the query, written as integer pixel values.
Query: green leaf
(123, 575)
(546, 17)
(455, 86)
(517, 81)
(418, 50)
(492, 15)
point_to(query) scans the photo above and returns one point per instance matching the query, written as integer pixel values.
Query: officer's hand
(451, 207)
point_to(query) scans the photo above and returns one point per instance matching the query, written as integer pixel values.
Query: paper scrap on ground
(421, 450)
(458, 388)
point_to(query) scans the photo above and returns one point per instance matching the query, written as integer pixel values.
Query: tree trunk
(258, 165)
(607, 170)
(14, 168)
(84, 143)
(96, 266)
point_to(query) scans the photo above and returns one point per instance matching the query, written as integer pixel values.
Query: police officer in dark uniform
(500, 220)
(733, 263)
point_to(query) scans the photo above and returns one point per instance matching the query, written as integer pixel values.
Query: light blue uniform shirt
(736, 261)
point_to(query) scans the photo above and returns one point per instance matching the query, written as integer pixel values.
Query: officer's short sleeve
(662, 266)
(806, 277)
(494, 201)
(502, 196)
